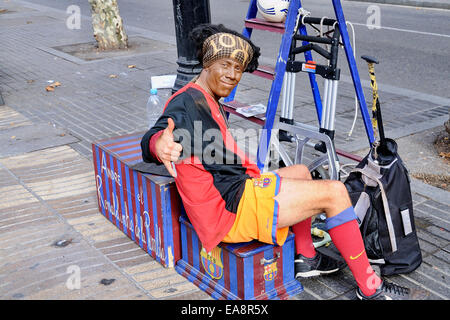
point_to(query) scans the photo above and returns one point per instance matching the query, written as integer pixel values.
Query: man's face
(222, 76)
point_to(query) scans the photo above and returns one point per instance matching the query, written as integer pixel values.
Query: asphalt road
(412, 44)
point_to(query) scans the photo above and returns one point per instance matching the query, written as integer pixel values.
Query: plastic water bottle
(154, 107)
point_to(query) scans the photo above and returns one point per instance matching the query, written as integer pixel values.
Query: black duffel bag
(379, 188)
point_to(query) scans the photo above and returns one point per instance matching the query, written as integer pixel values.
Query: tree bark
(108, 25)
(447, 124)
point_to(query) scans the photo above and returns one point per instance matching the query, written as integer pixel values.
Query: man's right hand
(167, 149)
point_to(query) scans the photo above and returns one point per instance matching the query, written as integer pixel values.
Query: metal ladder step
(265, 71)
(257, 23)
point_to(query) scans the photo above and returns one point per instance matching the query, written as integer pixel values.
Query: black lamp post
(188, 14)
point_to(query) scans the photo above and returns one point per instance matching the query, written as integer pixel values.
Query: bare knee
(338, 198)
(337, 189)
(296, 171)
(303, 171)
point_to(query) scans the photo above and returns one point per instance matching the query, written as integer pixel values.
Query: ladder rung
(261, 24)
(231, 107)
(348, 155)
(267, 72)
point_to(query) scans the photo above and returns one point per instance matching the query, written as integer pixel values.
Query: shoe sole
(365, 298)
(314, 273)
(359, 296)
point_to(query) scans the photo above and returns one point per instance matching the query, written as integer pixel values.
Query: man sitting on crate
(225, 195)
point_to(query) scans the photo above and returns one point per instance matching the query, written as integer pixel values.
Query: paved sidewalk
(50, 227)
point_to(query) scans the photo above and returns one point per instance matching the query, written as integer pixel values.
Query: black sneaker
(391, 291)
(315, 266)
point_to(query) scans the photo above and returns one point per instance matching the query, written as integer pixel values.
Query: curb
(430, 192)
(398, 133)
(412, 3)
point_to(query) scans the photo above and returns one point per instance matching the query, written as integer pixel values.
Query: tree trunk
(447, 124)
(108, 25)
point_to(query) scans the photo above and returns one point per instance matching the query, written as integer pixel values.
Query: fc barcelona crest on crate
(250, 270)
(270, 271)
(212, 262)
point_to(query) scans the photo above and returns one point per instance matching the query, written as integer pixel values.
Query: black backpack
(379, 188)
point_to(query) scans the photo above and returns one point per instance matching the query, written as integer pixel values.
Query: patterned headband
(226, 45)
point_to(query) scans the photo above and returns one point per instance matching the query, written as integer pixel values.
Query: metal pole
(188, 14)
(326, 97)
(333, 105)
(284, 97)
(291, 98)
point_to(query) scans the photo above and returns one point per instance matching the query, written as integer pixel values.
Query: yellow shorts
(257, 214)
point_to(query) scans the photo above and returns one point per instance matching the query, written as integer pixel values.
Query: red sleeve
(152, 144)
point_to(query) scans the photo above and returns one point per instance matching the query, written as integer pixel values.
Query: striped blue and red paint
(252, 270)
(145, 207)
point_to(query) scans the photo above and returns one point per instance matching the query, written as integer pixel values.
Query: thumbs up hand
(167, 150)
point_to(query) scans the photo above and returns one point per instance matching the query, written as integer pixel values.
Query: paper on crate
(163, 82)
(252, 110)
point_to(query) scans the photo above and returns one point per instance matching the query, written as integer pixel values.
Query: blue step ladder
(277, 75)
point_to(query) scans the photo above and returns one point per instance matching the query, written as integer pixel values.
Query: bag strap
(361, 207)
(387, 212)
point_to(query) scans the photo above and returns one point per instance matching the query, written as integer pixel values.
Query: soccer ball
(273, 10)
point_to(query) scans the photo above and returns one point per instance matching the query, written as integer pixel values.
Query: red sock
(303, 240)
(347, 239)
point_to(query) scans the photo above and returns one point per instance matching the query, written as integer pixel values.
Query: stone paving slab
(48, 200)
(21, 139)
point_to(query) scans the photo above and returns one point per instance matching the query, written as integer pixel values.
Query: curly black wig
(203, 31)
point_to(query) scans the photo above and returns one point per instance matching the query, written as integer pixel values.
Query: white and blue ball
(273, 10)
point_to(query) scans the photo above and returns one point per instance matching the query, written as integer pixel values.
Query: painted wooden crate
(244, 271)
(145, 207)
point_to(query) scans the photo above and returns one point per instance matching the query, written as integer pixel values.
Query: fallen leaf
(113, 75)
(52, 86)
(131, 66)
(30, 81)
(13, 137)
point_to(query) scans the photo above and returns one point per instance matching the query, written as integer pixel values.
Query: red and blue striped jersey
(212, 174)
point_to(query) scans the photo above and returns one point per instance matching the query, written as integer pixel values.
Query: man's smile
(228, 84)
